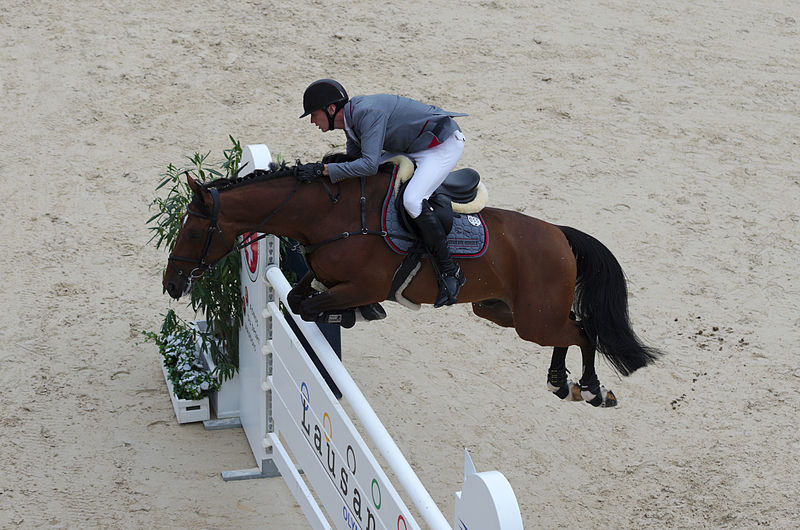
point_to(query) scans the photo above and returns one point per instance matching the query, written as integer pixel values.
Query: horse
(554, 285)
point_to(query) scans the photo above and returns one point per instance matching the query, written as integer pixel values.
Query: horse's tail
(601, 304)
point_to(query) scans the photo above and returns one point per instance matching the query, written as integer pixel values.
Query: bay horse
(555, 285)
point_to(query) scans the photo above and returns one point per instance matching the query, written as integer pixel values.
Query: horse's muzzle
(176, 286)
(173, 290)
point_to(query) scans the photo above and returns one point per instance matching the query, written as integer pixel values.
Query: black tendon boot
(433, 236)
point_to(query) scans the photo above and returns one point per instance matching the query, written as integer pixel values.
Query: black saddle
(460, 186)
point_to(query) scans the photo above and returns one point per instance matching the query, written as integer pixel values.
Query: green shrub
(216, 294)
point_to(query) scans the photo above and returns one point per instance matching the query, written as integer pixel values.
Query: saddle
(457, 203)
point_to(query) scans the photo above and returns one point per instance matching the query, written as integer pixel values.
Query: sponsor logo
(251, 255)
(473, 220)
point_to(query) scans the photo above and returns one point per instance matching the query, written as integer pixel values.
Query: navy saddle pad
(469, 237)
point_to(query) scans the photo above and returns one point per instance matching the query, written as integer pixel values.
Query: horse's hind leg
(561, 335)
(589, 387)
(591, 390)
(557, 381)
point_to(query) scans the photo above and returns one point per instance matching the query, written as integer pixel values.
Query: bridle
(213, 229)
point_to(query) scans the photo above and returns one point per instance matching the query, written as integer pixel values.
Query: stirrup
(449, 287)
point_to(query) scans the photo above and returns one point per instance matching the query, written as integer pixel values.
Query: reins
(308, 249)
(272, 214)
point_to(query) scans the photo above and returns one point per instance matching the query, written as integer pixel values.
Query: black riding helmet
(322, 93)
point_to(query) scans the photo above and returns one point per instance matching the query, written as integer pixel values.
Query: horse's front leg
(344, 304)
(300, 292)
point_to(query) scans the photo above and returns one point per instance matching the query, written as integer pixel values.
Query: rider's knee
(413, 205)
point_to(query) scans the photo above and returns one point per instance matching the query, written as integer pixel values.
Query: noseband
(213, 229)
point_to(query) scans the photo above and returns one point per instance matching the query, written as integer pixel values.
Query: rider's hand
(308, 172)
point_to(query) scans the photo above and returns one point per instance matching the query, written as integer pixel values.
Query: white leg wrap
(574, 391)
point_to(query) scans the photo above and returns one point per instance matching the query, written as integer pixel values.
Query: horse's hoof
(605, 398)
(372, 312)
(560, 391)
(609, 399)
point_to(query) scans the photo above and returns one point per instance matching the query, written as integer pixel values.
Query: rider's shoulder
(373, 101)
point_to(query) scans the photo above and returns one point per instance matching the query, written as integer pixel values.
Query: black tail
(601, 303)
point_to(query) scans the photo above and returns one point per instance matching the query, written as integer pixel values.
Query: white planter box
(226, 400)
(186, 410)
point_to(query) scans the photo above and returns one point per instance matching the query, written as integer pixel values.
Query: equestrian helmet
(322, 93)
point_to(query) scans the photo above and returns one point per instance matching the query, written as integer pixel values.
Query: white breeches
(433, 166)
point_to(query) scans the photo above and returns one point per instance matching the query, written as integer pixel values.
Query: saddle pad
(469, 237)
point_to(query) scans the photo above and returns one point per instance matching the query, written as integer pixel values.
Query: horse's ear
(193, 185)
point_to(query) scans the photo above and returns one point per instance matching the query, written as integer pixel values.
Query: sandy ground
(668, 130)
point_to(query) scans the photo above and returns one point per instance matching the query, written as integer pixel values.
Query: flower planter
(225, 401)
(186, 410)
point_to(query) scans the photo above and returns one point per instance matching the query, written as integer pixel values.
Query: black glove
(308, 172)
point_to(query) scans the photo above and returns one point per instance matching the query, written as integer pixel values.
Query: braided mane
(275, 171)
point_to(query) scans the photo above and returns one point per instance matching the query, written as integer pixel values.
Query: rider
(380, 126)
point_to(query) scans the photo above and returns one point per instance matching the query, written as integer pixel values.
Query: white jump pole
(363, 411)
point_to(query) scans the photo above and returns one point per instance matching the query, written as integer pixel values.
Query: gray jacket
(385, 122)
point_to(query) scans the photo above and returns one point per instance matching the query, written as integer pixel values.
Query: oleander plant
(216, 295)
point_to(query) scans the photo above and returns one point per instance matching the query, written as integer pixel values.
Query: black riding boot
(433, 236)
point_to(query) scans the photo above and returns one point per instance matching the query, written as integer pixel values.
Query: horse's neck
(259, 207)
(308, 214)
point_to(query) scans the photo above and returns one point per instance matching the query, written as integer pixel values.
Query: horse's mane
(275, 171)
(259, 175)
(337, 158)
